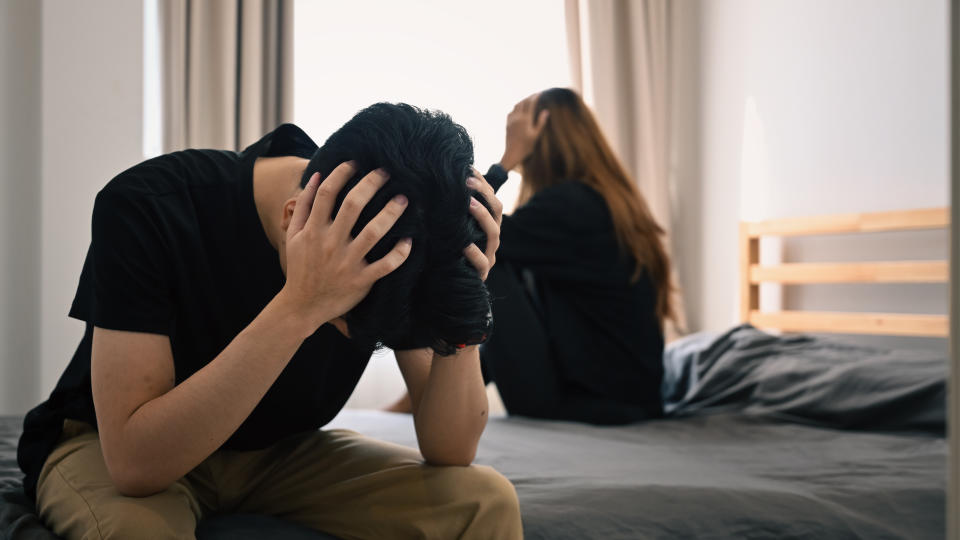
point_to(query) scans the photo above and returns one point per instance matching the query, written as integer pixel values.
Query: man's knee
(129, 517)
(491, 487)
(102, 513)
(495, 500)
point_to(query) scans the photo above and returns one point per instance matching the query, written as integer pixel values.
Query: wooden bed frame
(752, 274)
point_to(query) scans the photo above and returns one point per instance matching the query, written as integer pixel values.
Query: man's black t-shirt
(178, 249)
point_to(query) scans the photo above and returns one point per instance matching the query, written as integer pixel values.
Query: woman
(581, 284)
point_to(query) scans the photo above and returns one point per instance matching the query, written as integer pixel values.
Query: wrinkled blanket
(812, 380)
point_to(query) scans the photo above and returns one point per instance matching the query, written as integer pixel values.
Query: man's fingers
(378, 227)
(489, 221)
(327, 192)
(304, 202)
(480, 185)
(358, 198)
(391, 261)
(477, 259)
(488, 224)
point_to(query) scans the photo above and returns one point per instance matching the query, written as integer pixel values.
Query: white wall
(20, 37)
(70, 119)
(92, 130)
(953, 414)
(806, 107)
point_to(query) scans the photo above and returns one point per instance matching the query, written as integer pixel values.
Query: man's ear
(288, 208)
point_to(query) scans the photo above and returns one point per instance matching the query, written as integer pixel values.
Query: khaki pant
(337, 481)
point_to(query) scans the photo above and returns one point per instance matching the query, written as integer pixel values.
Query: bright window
(472, 60)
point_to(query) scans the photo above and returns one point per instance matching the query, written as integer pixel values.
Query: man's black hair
(436, 298)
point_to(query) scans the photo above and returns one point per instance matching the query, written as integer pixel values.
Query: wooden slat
(852, 323)
(749, 257)
(862, 272)
(900, 220)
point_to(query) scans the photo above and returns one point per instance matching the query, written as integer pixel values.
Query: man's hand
(327, 274)
(522, 132)
(489, 222)
(154, 431)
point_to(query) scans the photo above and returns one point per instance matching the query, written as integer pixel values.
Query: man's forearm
(170, 435)
(452, 409)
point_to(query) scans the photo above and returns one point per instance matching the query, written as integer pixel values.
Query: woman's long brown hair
(571, 147)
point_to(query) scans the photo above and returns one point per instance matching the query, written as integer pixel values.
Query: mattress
(768, 438)
(716, 476)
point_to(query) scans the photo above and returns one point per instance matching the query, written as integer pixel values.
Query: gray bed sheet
(717, 476)
(726, 465)
(713, 476)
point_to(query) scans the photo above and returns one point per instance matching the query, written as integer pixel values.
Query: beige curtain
(619, 58)
(226, 70)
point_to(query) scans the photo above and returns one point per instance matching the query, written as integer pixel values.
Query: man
(232, 302)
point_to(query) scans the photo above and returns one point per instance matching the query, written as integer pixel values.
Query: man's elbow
(450, 456)
(442, 446)
(134, 485)
(135, 480)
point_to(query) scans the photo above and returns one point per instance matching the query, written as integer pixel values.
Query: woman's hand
(327, 274)
(489, 222)
(522, 132)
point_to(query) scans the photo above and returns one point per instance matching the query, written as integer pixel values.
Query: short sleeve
(129, 267)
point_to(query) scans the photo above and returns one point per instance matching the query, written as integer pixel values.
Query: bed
(767, 436)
